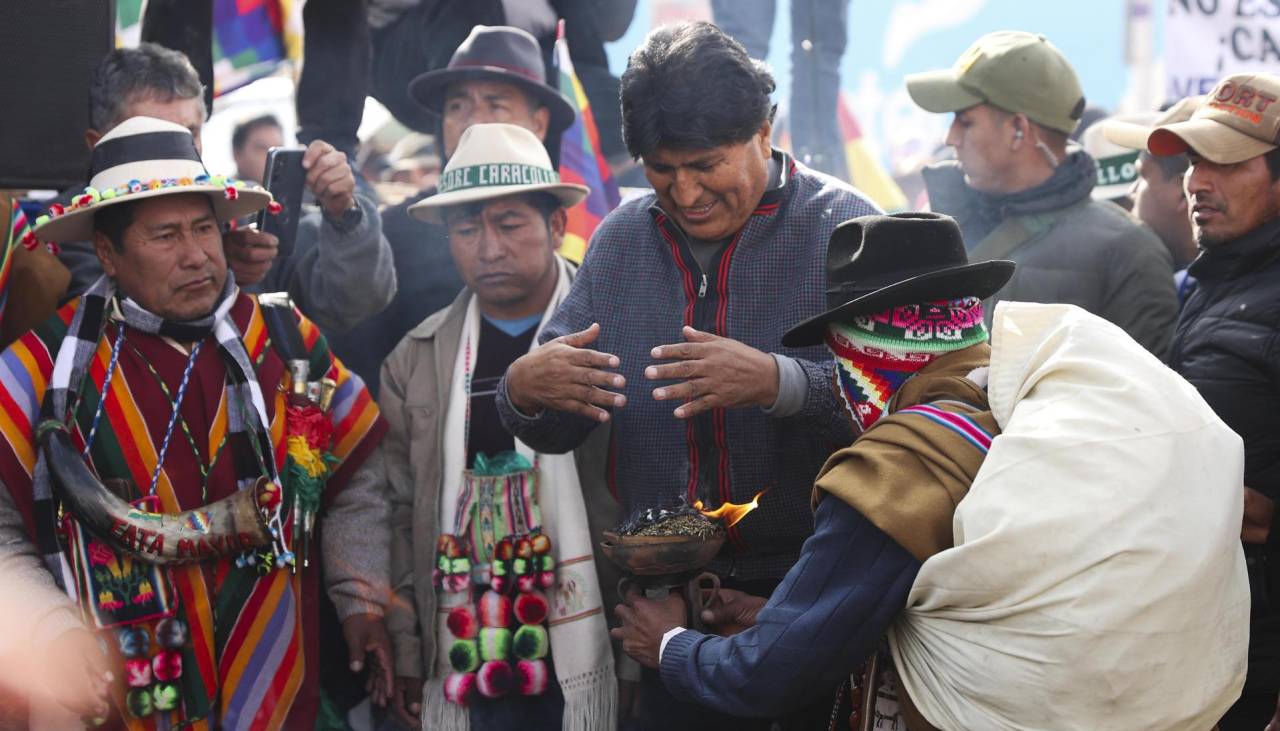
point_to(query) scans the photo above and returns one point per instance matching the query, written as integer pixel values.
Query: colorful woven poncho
(252, 657)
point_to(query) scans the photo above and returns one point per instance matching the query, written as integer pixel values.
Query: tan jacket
(414, 397)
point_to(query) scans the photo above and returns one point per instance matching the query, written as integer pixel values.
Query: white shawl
(1097, 579)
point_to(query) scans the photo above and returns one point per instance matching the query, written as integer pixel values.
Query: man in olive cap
(1020, 193)
(1226, 339)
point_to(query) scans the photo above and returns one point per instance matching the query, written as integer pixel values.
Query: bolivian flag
(582, 162)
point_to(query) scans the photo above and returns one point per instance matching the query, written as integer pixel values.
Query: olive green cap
(1016, 71)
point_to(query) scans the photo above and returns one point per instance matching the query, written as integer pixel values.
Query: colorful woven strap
(958, 423)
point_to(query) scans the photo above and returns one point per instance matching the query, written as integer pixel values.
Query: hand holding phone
(286, 179)
(330, 178)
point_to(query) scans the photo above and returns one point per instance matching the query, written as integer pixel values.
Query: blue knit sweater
(641, 282)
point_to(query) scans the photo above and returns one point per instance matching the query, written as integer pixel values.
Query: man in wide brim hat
(920, 265)
(186, 417)
(905, 325)
(500, 54)
(503, 207)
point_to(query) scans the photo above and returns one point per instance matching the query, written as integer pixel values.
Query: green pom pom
(218, 180)
(464, 656)
(495, 643)
(164, 696)
(42, 220)
(531, 642)
(443, 563)
(108, 194)
(521, 566)
(461, 566)
(499, 568)
(240, 184)
(546, 563)
(139, 703)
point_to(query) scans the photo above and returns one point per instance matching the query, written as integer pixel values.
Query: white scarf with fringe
(580, 647)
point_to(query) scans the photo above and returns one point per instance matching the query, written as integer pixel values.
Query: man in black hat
(494, 76)
(906, 329)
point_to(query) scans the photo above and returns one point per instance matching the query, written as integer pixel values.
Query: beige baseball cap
(1016, 71)
(1132, 131)
(1238, 120)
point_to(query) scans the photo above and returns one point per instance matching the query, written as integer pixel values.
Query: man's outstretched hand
(565, 375)
(714, 373)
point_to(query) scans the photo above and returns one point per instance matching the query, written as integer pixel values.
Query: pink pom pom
(462, 623)
(531, 677)
(494, 679)
(456, 583)
(167, 666)
(547, 579)
(495, 610)
(460, 688)
(137, 673)
(531, 608)
(231, 192)
(526, 583)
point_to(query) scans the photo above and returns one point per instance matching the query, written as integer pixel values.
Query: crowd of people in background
(361, 481)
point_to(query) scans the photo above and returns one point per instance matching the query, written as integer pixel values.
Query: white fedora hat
(492, 161)
(144, 157)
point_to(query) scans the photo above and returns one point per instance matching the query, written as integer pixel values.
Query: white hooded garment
(1097, 579)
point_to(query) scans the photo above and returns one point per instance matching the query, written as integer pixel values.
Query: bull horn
(225, 528)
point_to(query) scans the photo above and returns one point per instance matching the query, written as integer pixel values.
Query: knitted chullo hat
(875, 354)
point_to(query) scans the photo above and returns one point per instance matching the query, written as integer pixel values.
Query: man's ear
(765, 138)
(558, 222)
(106, 252)
(91, 137)
(541, 123)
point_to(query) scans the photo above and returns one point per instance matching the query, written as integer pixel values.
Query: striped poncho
(251, 661)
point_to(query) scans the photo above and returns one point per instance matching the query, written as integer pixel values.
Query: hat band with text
(1118, 169)
(496, 174)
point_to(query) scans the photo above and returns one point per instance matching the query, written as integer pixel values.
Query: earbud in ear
(1017, 135)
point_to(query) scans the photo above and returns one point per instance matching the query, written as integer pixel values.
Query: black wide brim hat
(878, 262)
(496, 53)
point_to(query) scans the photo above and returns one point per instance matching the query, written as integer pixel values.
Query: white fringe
(591, 700)
(590, 704)
(439, 714)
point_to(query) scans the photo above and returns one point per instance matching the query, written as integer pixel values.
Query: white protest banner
(1205, 40)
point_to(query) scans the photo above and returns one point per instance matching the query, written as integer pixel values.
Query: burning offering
(677, 519)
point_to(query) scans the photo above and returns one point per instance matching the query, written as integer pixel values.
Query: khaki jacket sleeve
(402, 614)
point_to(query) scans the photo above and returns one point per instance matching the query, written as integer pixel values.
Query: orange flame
(730, 513)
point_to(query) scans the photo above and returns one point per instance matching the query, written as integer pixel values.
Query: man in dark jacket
(689, 290)
(1020, 193)
(1227, 342)
(494, 76)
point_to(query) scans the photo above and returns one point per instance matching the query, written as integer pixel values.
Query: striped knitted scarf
(875, 354)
